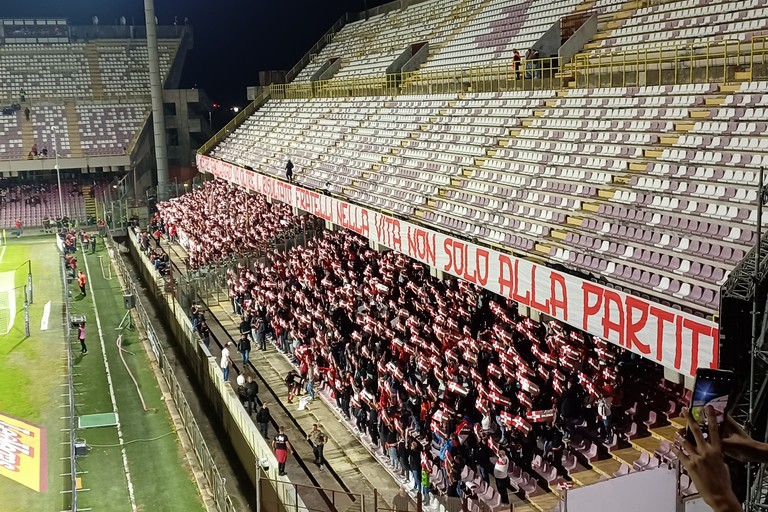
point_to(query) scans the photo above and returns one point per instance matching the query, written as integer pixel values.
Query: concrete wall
(418, 58)
(328, 70)
(549, 43)
(576, 42)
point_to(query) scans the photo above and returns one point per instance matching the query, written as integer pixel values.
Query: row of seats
(479, 32)
(105, 129)
(76, 70)
(545, 168)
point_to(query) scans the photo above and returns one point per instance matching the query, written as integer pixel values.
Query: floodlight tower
(156, 90)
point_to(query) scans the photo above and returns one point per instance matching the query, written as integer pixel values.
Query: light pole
(58, 173)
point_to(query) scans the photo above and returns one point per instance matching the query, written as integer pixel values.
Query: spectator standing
(516, 63)
(259, 331)
(22, 95)
(81, 337)
(205, 332)
(244, 347)
(604, 416)
(401, 502)
(225, 361)
(414, 463)
(317, 438)
(282, 446)
(82, 281)
(501, 474)
(263, 418)
(93, 244)
(311, 381)
(251, 393)
(289, 171)
(26, 113)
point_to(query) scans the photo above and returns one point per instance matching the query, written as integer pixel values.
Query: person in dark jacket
(244, 347)
(414, 465)
(289, 171)
(251, 393)
(264, 418)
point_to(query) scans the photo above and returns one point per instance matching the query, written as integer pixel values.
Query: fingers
(693, 426)
(714, 427)
(681, 455)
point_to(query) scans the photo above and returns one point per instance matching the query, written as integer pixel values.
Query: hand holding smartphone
(713, 388)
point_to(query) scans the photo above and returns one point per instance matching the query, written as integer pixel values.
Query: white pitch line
(2, 253)
(111, 388)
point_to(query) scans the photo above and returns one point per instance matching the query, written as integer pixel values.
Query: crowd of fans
(437, 374)
(446, 379)
(220, 221)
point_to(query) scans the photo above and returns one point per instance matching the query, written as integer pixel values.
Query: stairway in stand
(73, 130)
(90, 202)
(97, 83)
(27, 133)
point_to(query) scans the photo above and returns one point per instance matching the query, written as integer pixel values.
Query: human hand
(705, 464)
(738, 445)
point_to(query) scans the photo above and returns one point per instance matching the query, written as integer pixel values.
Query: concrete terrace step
(349, 459)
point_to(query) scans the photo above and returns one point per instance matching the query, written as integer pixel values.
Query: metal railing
(236, 121)
(530, 75)
(326, 39)
(699, 62)
(70, 382)
(217, 483)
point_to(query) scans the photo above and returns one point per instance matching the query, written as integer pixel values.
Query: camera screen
(712, 391)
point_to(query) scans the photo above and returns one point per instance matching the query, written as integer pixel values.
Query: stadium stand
(368, 47)
(11, 145)
(85, 99)
(60, 70)
(647, 187)
(36, 205)
(497, 29)
(228, 221)
(109, 129)
(572, 162)
(124, 66)
(685, 22)
(411, 329)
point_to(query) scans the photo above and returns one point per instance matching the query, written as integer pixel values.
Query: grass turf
(32, 371)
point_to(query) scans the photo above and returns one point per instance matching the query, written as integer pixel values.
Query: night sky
(234, 39)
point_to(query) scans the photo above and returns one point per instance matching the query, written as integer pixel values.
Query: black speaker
(81, 449)
(129, 301)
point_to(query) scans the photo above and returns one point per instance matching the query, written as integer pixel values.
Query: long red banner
(672, 338)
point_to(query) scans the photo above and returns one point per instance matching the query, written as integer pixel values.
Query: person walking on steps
(282, 446)
(317, 438)
(81, 337)
(289, 171)
(81, 281)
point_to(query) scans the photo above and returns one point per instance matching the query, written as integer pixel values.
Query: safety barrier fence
(70, 382)
(260, 456)
(699, 62)
(216, 482)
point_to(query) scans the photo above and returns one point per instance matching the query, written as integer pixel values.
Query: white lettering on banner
(675, 339)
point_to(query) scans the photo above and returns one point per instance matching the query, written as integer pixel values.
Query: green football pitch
(134, 465)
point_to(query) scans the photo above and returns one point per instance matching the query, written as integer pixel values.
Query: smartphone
(713, 388)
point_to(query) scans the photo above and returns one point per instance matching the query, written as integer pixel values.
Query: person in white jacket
(225, 362)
